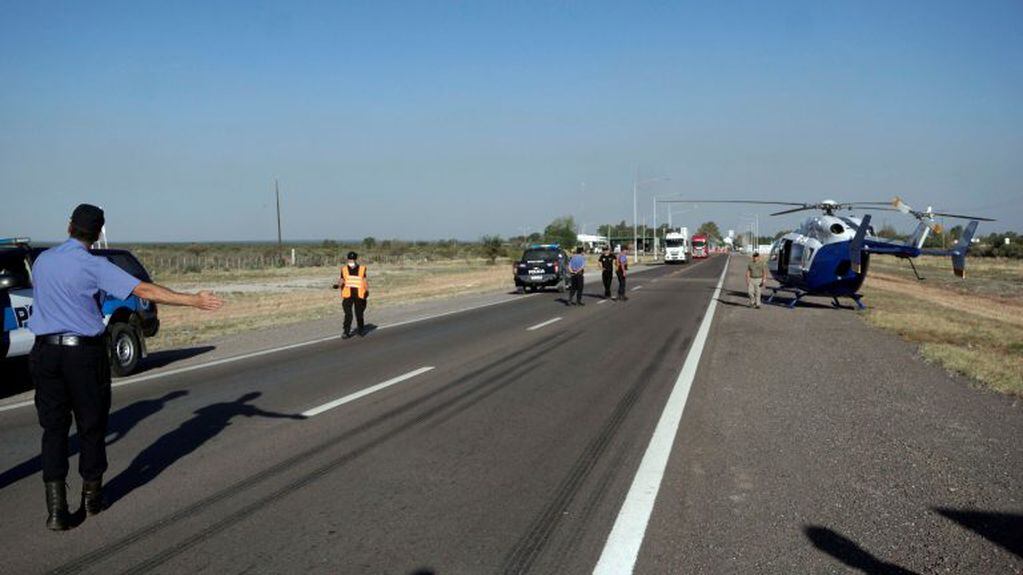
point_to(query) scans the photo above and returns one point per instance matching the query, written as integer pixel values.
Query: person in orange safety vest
(354, 293)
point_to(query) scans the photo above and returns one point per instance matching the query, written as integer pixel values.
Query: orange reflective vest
(357, 282)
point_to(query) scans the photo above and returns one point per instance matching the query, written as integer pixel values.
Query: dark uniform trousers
(621, 284)
(72, 380)
(360, 309)
(576, 287)
(606, 276)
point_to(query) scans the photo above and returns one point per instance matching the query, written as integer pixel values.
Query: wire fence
(159, 264)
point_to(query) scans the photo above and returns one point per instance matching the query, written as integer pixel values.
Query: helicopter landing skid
(855, 297)
(797, 295)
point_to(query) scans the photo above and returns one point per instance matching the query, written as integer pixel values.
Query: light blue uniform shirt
(577, 263)
(68, 282)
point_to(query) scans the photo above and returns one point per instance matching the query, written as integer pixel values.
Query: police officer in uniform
(607, 263)
(576, 268)
(354, 292)
(70, 360)
(621, 269)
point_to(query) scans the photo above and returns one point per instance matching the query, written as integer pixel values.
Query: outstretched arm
(204, 300)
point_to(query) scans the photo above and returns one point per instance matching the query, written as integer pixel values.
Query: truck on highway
(699, 243)
(128, 321)
(676, 246)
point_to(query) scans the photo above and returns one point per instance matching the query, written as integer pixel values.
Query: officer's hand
(207, 300)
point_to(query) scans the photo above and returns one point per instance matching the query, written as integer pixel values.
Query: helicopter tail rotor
(856, 245)
(959, 250)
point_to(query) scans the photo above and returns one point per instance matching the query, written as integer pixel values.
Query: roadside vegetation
(973, 327)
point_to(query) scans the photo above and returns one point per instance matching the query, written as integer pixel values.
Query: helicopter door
(783, 259)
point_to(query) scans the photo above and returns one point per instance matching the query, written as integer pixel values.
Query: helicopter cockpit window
(796, 255)
(837, 228)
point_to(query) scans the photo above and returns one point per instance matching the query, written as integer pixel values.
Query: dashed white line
(622, 547)
(232, 359)
(543, 324)
(602, 301)
(637, 288)
(363, 393)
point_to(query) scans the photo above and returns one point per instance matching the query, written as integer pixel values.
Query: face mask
(351, 264)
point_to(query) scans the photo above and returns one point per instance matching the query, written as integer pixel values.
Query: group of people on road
(70, 362)
(610, 265)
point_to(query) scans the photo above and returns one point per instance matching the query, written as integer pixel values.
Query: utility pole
(277, 192)
(635, 216)
(655, 228)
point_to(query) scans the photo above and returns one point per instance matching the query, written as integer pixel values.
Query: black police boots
(56, 505)
(92, 496)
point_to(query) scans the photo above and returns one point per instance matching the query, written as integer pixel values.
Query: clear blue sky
(430, 120)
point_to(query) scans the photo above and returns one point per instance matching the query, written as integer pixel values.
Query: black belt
(72, 340)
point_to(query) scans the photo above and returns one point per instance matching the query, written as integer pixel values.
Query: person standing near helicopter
(756, 275)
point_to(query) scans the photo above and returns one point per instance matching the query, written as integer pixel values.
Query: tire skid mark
(531, 545)
(508, 376)
(238, 488)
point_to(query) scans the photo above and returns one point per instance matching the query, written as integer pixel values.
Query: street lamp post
(636, 183)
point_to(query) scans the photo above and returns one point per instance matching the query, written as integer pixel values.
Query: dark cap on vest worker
(88, 218)
(353, 256)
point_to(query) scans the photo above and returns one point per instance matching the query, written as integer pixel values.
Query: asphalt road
(505, 439)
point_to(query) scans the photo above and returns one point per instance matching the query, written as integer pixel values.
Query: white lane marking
(637, 288)
(602, 301)
(250, 355)
(622, 547)
(245, 356)
(363, 393)
(546, 323)
(17, 405)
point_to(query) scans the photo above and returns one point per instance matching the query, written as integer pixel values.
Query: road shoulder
(812, 441)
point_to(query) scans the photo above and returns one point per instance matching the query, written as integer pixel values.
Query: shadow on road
(121, 422)
(849, 553)
(15, 375)
(206, 424)
(1002, 529)
(159, 359)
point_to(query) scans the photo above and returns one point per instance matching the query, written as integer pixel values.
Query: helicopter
(829, 254)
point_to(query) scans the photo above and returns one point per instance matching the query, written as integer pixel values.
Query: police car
(129, 321)
(542, 265)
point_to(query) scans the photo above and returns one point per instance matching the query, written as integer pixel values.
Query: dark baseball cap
(353, 256)
(88, 218)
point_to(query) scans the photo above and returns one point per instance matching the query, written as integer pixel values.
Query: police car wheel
(125, 349)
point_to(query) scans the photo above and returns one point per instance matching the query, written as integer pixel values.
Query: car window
(539, 255)
(128, 263)
(13, 262)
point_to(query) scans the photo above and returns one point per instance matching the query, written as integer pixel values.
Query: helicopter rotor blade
(734, 202)
(792, 211)
(960, 216)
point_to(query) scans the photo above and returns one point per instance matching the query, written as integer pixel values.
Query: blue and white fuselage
(815, 258)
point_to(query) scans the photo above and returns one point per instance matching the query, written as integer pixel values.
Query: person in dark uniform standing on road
(354, 292)
(621, 268)
(70, 361)
(576, 267)
(607, 266)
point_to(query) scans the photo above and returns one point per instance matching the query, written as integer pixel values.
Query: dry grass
(259, 300)
(972, 327)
